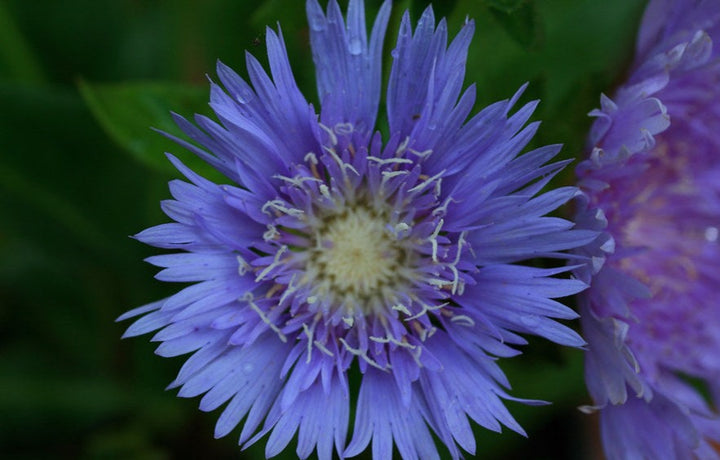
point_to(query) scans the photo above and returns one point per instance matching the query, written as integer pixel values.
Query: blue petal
(198, 361)
(188, 267)
(320, 419)
(149, 322)
(249, 375)
(140, 310)
(172, 236)
(656, 429)
(382, 416)
(348, 68)
(188, 343)
(522, 302)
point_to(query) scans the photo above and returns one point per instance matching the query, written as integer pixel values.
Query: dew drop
(711, 234)
(355, 46)
(244, 96)
(248, 368)
(316, 18)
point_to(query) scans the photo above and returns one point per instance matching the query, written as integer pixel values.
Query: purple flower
(652, 182)
(333, 251)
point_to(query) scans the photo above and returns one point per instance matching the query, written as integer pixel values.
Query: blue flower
(332, 249)
(652, 183)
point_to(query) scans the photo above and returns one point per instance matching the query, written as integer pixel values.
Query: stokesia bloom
(652, 317)
(332, 251)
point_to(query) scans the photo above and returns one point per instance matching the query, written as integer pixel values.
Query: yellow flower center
(357, 260)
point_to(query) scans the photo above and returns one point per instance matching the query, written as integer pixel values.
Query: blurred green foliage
(82, 82)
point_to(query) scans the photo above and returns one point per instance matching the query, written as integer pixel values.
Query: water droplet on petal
(244, 96)
(711, 234)
(355, 46)
(316, 19)
(530, 320)
(248, 368)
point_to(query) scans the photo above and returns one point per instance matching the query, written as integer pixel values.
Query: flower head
(652, 182)
(331, 249)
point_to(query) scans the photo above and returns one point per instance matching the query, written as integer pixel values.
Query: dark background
(82, 81)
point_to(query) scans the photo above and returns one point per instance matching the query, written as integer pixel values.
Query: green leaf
(63, 212)
(15, 54)
(506, 6)
(520, 23)
(128, 111)
(441, 9)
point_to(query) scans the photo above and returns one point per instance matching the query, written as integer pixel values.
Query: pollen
(357, 256)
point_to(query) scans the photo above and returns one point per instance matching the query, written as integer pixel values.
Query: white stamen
(297, 180)
(279, 206)
(290, 289)
(363, 354)
(456, 285)
(453, 265)
(461, 242)
(344, 128)
(402, 147)
(427, 182)
(427, 333)
(271, 233)
(461, 288)
(343, 166)
(402, 309)
(391, 174)
(401, 227)
(333, 137)
(416, 356)
(456, 278)
(384, 161)
(243, 266)
(274, 264)
(441, 210)
(438, 187)
(426, 308)
(423, 154)
(325, 191)
(393, 340)
(309, 333)
(463, 320)
(439, 282)
(433, 239)
(323, 348)
(248, 297)
(310, 158)
(387, 175)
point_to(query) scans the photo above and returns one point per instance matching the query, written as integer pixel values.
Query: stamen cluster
(357, 235)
